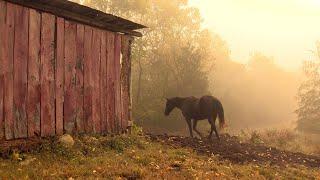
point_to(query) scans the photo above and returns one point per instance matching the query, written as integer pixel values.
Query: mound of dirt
(232, 149)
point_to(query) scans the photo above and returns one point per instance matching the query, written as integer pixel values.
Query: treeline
(177, 57)
(309, 96)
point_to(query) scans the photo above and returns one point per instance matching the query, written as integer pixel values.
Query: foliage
(309, 97)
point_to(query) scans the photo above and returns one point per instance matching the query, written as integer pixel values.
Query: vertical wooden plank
(123, 81)
(88, 82)
(125, 74)
(103, 82)
(3, 7)
(117, 50)
(60, 76)
(33, 101)
(70, 76)
(79, 79)
(1, 103)
(47, 75)
(20, 71)
(110, 82)
(96, 109)
(7, 52)
(130, 120)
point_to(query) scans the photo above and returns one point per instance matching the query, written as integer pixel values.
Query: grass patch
(120, 143)
(134, 157)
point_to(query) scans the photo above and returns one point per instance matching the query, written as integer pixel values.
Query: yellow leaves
(27, 161)
(136, 157)
(255, 173)
(219, 174)
(16, 156)
(154, 166)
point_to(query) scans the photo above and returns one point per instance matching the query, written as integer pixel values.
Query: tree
(309, 97)
(171, 59)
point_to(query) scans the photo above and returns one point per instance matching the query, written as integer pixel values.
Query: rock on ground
(66, 140)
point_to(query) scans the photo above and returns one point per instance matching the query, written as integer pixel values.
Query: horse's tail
(220, 114)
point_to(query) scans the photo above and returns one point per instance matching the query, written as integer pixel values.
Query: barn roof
(83, 14)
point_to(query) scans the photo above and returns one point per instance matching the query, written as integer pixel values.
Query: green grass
(134, 157)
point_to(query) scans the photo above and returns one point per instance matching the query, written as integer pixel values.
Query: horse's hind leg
(195, 128)
(213, 126)
(215, 130)
(189, 125)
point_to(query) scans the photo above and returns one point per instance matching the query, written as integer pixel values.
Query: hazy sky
(284, 29)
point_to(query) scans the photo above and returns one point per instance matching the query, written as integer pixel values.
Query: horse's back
(190, 106)
(199, 108)
(190, 102)
(208, 104)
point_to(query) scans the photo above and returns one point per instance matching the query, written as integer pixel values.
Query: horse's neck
(179, 102)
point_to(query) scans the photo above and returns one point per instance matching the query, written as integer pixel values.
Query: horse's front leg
(190, 126)
(195, 128)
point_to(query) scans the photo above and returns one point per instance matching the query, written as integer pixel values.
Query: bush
(120, 143)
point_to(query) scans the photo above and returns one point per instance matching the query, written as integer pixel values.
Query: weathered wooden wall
(58, 76)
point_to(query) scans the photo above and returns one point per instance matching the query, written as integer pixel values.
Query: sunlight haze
(286, 30)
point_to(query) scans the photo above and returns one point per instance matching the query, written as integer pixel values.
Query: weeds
(256, 138)
(120, 143)
(284, 139)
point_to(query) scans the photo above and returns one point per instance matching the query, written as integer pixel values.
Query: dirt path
(232, 149)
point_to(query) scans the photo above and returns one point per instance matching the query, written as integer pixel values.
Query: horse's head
(170, 105)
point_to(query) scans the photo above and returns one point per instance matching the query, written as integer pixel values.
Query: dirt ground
(232, 149)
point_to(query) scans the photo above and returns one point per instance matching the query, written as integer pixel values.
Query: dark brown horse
(207, 107)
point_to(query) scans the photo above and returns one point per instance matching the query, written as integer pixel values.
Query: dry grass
(134, 157)
(283, 139)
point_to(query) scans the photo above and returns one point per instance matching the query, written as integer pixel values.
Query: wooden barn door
(58, 76)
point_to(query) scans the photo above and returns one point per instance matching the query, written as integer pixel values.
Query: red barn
(64, 68)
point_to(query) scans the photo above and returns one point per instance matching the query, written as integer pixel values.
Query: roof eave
(96, 18)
